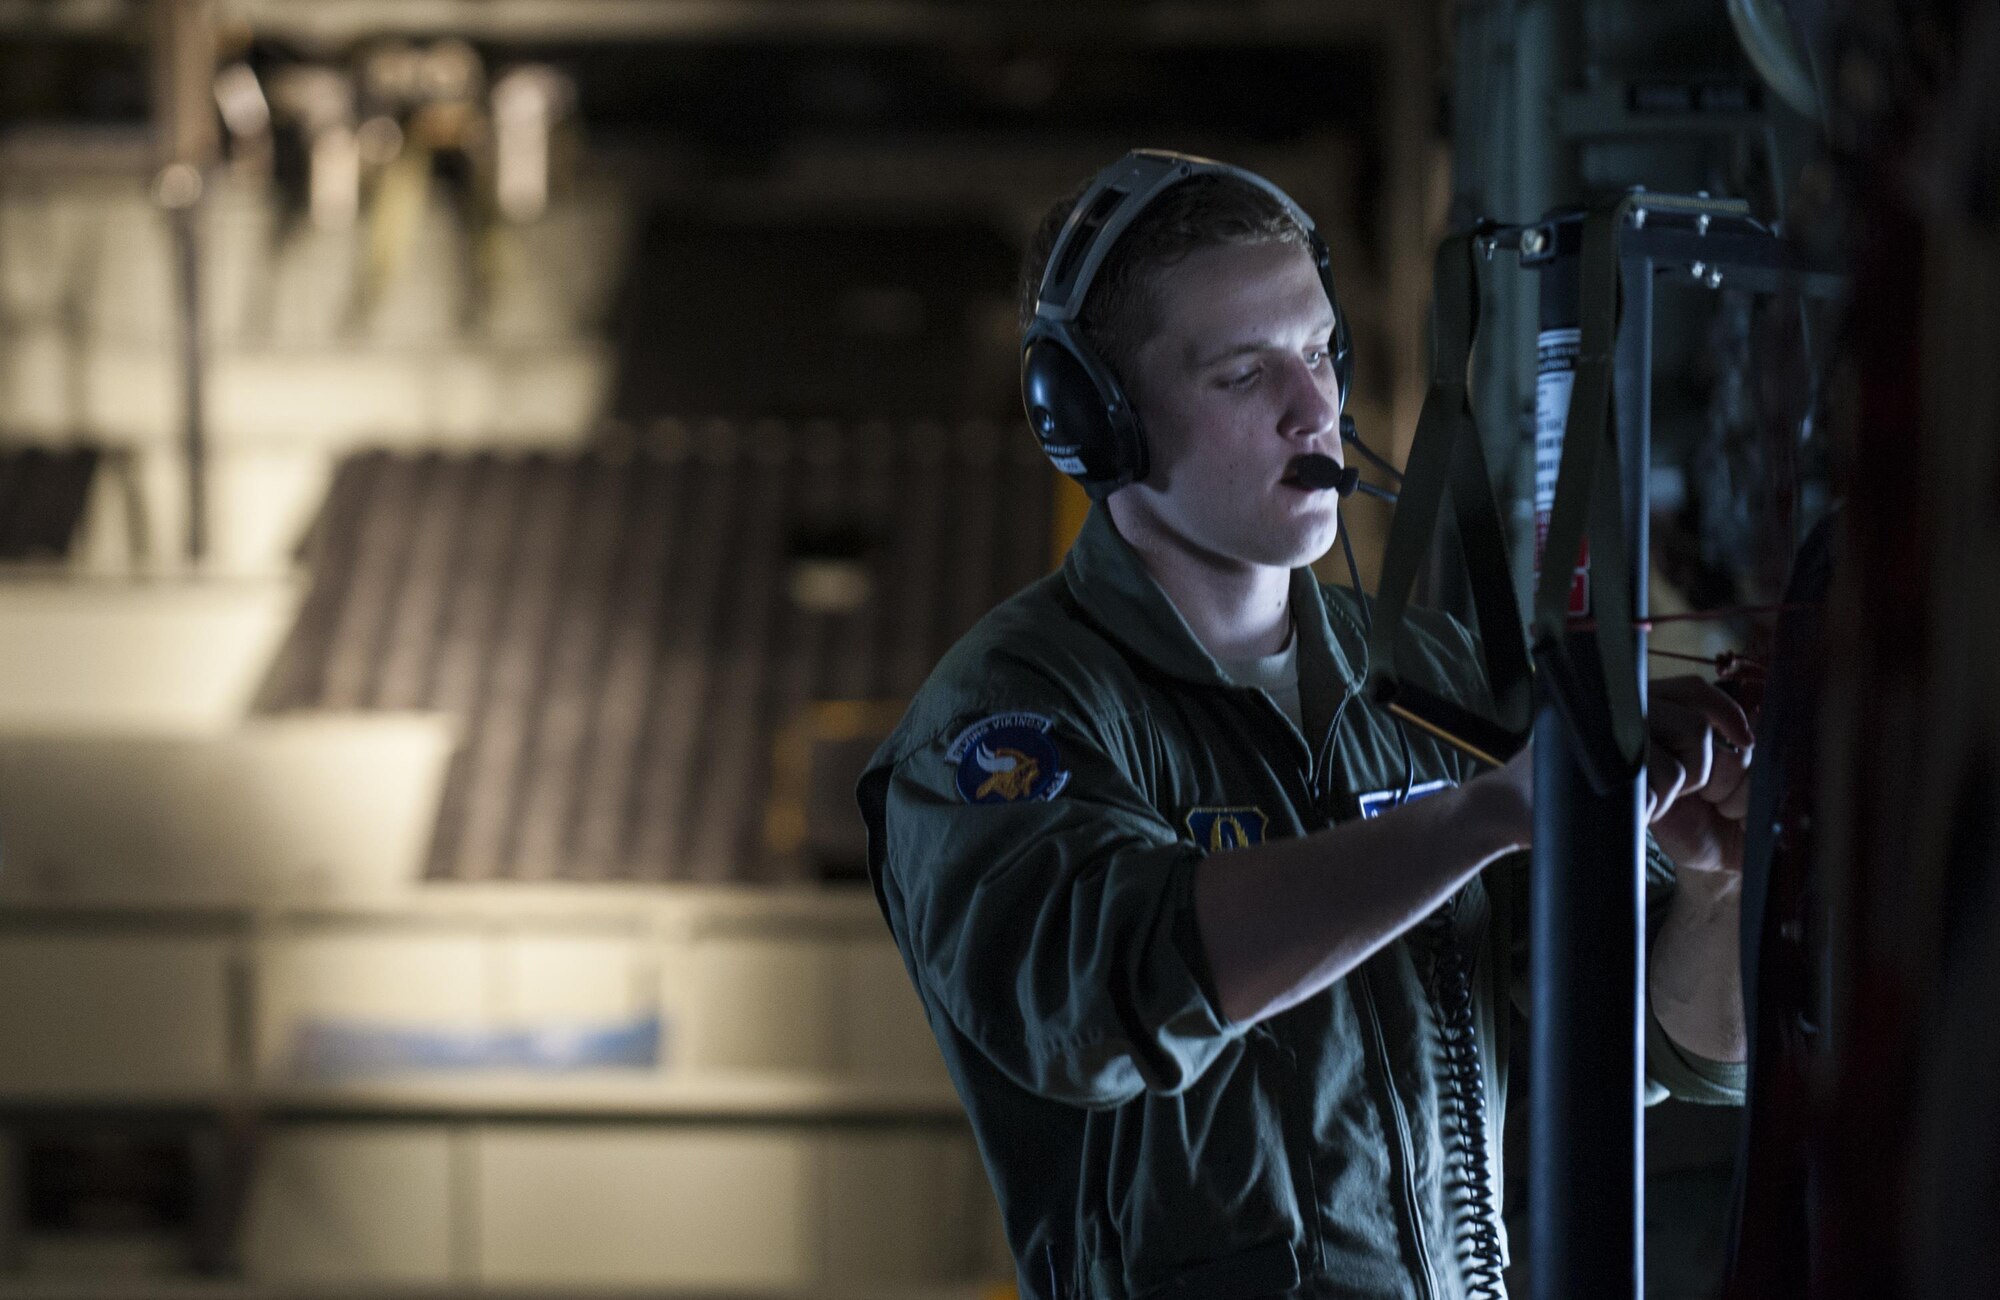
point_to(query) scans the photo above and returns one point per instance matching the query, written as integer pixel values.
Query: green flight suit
(1034, 825)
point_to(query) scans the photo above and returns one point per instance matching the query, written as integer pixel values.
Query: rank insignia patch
(1007, 758)
(1215, 829)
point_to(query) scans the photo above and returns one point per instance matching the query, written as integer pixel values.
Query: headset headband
(1076, 407)
(1113, 202)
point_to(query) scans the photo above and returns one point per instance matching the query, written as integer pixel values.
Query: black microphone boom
(1322, 472)
(1352, 438)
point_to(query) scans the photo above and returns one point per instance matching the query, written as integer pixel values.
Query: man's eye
(1242, 378)
(1317, 357)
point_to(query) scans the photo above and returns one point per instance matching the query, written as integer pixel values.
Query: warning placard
(1555, 379)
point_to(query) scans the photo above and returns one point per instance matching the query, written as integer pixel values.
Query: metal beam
(1180, 22)
(1663, 109)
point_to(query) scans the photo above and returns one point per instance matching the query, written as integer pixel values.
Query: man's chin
(1303, 547)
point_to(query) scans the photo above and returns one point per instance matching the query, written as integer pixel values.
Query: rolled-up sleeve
(1056, 934)
(1671, 1070)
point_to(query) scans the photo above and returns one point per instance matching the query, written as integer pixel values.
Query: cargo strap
(1599, 701)
(1447, 458)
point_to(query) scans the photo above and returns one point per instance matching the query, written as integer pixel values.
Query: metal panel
(765, 1004)
(302, 808)
(341, 1203)
(98, 1016)
(902, 1208)
(150, 656)
(886, 1035)
(571, 1206)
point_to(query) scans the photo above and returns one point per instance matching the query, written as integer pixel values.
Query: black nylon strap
(1599, 701)
(1446, 458)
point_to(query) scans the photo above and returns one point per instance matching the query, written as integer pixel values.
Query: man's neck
(1237, 611)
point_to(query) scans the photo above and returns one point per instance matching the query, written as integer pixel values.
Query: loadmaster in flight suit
(1210, 946)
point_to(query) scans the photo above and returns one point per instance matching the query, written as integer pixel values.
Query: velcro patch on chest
(1008, 758)
(1377, 802)
(1215, 829)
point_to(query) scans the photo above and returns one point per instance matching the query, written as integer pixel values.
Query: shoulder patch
(1215, 829)
(1007, 758)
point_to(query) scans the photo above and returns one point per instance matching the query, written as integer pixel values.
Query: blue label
(1377, 802)
(1007, 758)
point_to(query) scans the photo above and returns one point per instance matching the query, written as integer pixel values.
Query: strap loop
(1446, 457)
(1599, 700)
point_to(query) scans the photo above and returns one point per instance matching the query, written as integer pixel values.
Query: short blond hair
(1119, 312)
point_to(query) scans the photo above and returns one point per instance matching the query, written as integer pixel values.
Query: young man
(1125, 837)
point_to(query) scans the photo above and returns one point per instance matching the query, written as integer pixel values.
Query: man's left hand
(1697, 774)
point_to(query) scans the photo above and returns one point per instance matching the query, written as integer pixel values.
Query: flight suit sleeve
(1055, 930)
(1671, 1070)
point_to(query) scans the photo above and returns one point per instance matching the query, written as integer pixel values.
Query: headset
(1076, 407)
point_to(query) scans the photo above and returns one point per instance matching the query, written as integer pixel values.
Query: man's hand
(1697, 774)
(1698, 792)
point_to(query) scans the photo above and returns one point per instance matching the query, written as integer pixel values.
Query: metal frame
(1587, 892)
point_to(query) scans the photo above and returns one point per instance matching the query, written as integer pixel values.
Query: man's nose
(1312, 402)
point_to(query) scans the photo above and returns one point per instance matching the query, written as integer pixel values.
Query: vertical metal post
(184, 218)
(1587, 899)
(184, 117)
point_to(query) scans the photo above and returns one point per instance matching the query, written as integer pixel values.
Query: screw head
(1534, 242)
(1638, 218)
(1714, 277)
(1701, 223)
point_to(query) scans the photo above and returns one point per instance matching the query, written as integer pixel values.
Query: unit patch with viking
(1006, 758)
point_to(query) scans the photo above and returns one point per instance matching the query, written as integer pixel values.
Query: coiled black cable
(1468, 1173)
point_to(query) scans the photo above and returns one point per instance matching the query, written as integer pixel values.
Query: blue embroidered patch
(1216, 829)
(1007, 758)
(1377, 802)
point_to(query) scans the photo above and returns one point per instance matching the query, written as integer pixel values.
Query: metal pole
(184, 117)
(184, 217)
(1587, 898)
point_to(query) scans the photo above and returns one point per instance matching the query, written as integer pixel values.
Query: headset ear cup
(1079, 415)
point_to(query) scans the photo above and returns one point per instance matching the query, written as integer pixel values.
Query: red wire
(1675, 654)
(1693, 616)
(1726, 664)
(1715, 615)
